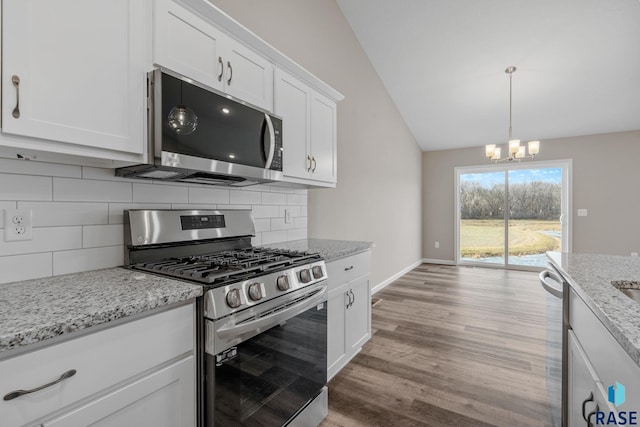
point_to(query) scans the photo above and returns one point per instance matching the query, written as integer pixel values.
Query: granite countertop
(591, 277)
(330, 250)
(35, 310)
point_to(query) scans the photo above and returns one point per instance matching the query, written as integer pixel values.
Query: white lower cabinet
(138, 373)
(163, 398)
(595, 363)
(348, 310)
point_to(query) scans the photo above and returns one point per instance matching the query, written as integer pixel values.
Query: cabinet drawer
(101, 360)
(608, 358)
(346, 269)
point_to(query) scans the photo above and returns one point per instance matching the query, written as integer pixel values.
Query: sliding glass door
(510, 215)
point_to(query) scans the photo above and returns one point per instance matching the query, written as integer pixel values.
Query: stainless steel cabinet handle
(348, 268)
(348, 299)
(221, 68)
(353, 297)
(16, 83)
(584, 406)
(551, 283)
(18, 393)
(230, 72)
(314, 164)
(309, 160)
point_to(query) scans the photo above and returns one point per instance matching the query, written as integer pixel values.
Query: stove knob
(233, 298)
(283, 283)
(255, 293)
(305, 275)
(317, 272)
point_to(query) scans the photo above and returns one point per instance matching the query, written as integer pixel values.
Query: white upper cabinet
(73, 72)
(309, 131)
(191, 46)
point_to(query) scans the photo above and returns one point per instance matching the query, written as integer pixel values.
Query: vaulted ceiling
(443, 62)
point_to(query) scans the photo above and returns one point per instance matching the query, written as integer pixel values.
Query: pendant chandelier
(516, 151)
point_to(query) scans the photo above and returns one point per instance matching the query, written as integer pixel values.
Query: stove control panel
(225, 300)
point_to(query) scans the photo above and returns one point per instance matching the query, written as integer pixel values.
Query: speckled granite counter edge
(330, 250)
(614, 329)
(29, 329)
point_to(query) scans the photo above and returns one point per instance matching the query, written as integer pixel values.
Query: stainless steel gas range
(262, 320)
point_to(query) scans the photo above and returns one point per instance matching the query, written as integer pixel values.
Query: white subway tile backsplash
(46, 239)
(24, 187)
(94, 236)
(25, 267)
(262, 224)
(296, 199)
(78, 214)
(3, 206)
(274, 199)
(279, 224)
(89, 190)
(261, 211)
(192, 206)
(48, 214)
(269, 237)
(208, 195)
(245, 197)
(297, 234)
(66, 262)
(115, 209)
(160, 193)
(300, 222)
(25, 167)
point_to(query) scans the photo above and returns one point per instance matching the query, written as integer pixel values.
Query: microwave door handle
(272, 140)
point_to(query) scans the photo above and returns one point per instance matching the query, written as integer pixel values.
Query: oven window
(272, 375)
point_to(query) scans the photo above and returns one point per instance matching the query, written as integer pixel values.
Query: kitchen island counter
(591, 276)
(36, 310)
(330, 250)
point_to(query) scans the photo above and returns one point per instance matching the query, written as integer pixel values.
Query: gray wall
(379, 163)
(606, 181)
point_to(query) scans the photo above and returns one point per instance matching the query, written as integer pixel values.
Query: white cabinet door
(186, 44)
(359, 314)
(337, 347)
(248, 76)
(581, 384)
(323, 138)
(164, 398)
(73, 71)
(292, 104)
(191, 46)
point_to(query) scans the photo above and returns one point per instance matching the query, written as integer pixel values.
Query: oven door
(267, 363)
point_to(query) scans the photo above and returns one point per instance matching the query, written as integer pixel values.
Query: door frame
(565, 205)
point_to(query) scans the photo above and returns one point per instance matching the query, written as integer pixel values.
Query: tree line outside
(532, 200)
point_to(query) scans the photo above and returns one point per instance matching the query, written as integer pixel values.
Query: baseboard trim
(438, 261)
(380, 286)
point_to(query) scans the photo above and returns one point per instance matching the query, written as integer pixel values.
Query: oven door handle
(232, 330)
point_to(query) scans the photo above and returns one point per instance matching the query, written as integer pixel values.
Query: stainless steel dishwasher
(554, 367)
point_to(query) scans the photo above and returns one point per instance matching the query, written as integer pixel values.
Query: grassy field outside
(485, 238)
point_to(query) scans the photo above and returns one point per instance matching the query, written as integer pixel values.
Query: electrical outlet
(437, 245)
(582, 212)
(634, 253)
(287, 216)
(17, 225)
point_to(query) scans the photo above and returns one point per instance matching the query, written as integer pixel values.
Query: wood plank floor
(451, 346)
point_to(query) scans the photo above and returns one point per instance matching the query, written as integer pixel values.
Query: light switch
(582, 212)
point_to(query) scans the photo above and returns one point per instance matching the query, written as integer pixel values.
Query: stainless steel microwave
(199, 135)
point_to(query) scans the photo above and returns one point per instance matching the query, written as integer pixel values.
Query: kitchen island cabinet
(602, 349)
